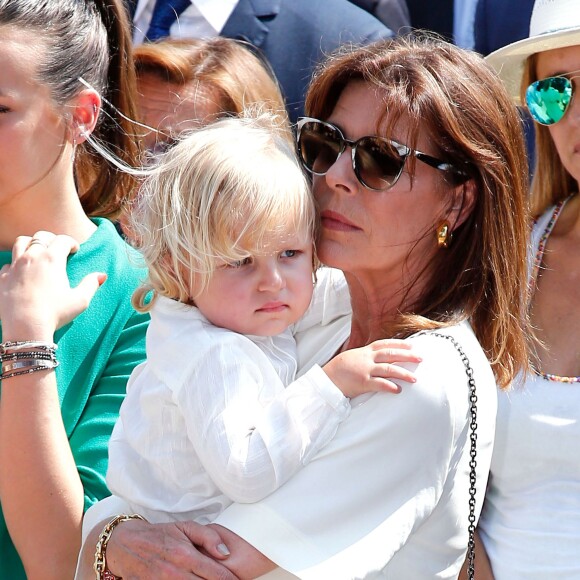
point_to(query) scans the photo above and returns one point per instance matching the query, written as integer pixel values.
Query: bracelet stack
(23, 357)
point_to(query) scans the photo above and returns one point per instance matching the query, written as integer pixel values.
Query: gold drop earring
(443, 234)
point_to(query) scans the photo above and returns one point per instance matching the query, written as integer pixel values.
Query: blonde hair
(551, 182)
(219, 194)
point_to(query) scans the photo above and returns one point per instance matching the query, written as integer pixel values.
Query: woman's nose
(340, 175)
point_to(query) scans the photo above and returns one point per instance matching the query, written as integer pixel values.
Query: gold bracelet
(100, 565)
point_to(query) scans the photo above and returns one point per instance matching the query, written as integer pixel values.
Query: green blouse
(96, 354)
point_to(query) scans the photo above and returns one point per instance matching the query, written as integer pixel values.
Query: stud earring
(443, 234)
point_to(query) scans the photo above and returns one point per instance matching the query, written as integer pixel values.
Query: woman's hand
(140, 550)
(371, 368)
(35, 295)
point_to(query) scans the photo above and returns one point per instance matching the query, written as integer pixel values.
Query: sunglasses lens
(378, 163)
(548, 99)
(319, 146)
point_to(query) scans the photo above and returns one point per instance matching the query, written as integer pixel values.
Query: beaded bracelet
(26, 354)
(100, 565)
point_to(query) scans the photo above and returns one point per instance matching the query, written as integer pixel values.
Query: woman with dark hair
(67, 77)
(417, 158)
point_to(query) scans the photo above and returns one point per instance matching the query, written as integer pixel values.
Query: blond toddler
(217, 414)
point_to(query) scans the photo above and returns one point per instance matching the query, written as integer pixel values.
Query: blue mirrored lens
(548, 99)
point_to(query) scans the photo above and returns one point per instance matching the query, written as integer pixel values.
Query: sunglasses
(548, 99)
(377, 162)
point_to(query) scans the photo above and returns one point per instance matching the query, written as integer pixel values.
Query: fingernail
(223, 549)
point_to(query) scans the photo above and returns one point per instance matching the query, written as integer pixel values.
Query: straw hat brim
(509, 61)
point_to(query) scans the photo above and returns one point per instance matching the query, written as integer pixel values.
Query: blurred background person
(183, 84)
(427, 15)
(463, 22)
(452, 19)
(392, 13)
(497, 24)
(293, 35)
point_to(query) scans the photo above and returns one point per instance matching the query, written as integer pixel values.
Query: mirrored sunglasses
(548, 99)
(377, 162)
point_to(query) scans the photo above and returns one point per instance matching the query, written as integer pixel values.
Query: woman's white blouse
(213, 416)
(388, 496)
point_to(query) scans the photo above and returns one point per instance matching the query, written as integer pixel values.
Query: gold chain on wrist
(100, 565)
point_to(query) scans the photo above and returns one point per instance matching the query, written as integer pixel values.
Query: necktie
(165, 13)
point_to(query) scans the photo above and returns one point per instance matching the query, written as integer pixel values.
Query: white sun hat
(554, 24)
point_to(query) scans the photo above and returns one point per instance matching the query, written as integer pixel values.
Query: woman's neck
(568, 223)
(58, 211)
(376, 306)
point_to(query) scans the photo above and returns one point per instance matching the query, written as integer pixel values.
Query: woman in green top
(58, 58)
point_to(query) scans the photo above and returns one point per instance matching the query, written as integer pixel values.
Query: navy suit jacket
(436, 15)
(392, 13)
(499, 23)
(295, 35)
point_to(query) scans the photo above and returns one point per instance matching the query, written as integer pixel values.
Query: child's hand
(370, 368)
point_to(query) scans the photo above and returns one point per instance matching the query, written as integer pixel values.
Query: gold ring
(37, 241)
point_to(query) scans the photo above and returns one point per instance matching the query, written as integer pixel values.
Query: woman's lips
(337, 222)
